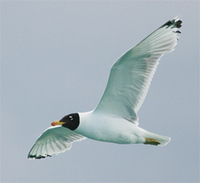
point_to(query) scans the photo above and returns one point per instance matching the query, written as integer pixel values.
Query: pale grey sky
(55, 59)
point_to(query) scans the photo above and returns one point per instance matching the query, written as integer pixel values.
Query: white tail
(155, 139)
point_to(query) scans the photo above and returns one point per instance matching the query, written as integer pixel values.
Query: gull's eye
(71, 118)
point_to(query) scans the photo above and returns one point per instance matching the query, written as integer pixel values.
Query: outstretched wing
(53, 140)
(131, 75)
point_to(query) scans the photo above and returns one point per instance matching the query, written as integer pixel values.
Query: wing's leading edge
(131, 75)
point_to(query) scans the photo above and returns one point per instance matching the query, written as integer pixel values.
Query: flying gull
(115, 117)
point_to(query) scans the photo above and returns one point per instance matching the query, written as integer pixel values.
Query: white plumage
(54, 140)
(115, 117)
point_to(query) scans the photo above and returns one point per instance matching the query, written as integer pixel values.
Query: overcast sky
(55, 59)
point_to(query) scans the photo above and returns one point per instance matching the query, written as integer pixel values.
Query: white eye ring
(71, 118)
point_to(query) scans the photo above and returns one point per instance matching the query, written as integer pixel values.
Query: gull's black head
(70, 121)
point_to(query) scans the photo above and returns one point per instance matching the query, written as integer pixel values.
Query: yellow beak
(57, 123)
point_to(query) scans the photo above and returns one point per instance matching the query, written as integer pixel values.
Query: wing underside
(53, 140)
(131, 75)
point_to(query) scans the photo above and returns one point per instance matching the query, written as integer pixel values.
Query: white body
(109, 129)
(101, 127)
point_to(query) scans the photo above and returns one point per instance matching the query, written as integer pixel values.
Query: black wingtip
(38, 157)
(178, 32)
(173, 23)
(169, 23)
(178, 24)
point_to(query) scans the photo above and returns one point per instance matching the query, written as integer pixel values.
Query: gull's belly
(117, 132)
(109, 129)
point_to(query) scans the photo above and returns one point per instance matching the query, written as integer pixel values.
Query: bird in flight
(115, 117)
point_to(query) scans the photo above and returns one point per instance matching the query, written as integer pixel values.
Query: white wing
(53, 140)
(131, 75)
